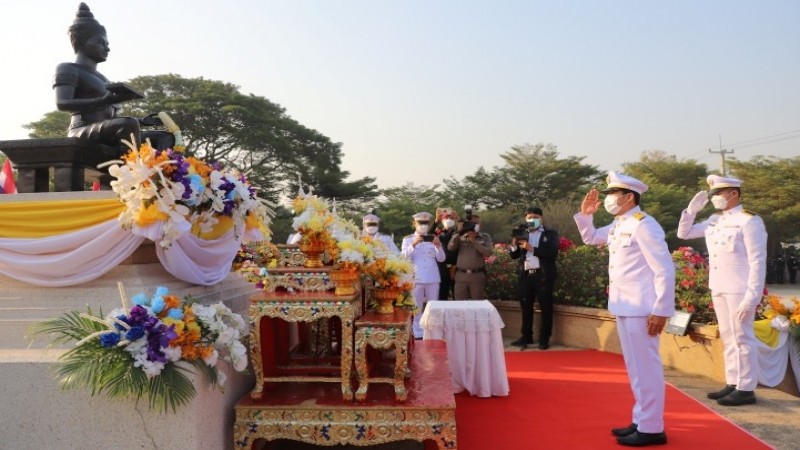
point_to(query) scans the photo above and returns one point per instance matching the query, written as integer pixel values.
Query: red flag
(7, 184)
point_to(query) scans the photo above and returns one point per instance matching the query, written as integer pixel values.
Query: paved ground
(775, 419)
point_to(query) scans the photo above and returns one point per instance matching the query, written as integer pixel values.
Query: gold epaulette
(639, 215)
(748, 212)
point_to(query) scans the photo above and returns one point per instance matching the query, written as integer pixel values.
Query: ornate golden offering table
(270, 345)
(383, 331)
(315, 413)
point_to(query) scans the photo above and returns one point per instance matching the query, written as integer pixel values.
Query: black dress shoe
(738, 398)
(543, 345)
(721, 393)
(624, 431)
(639, 439)
(522, 342)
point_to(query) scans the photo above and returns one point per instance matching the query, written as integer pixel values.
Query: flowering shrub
(149, 348)
(501, 275)
(185, 194)
(691, 285)
(582, 276)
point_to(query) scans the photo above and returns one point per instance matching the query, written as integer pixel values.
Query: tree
(770, 188)
(248, 132)
(53, 125)
(533, 174)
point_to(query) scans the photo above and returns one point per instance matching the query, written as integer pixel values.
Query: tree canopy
(248, 132)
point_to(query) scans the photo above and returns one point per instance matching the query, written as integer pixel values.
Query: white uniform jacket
(640, 268)
(424, 258)
(386, 239)
(737, 251)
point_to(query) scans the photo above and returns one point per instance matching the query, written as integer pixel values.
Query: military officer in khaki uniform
(641, 294)
(425, 251)
(472, 247)
(737, 245)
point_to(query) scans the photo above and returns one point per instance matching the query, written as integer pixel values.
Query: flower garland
(776, 307)
(186, 194)
(149, 348)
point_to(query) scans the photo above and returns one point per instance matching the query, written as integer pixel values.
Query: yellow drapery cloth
(765, 333)
(49, 218)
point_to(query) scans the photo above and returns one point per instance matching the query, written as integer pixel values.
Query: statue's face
(96, 47)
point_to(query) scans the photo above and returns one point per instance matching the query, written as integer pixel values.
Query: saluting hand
(591, 203)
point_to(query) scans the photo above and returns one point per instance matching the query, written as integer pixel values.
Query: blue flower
(109, 339)
(140, 299)
(161, 291)
(157, 305)
(134, 333)
(175, 313)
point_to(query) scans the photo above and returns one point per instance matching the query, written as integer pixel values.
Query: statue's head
(84, 27)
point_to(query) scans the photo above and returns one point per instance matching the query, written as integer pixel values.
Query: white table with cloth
(472, 331)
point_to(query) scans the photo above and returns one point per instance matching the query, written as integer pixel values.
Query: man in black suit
(536, 247)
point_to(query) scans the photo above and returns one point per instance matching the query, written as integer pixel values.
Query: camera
(467, 225)
(427, 237)
(520, 232)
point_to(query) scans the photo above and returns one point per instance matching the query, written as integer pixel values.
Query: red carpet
(571, 400)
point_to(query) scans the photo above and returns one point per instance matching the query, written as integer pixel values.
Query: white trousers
(738, 341)
(423, 293)
(645, 372)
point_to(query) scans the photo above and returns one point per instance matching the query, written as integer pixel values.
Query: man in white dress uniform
(737, 245)
(370, 229)
(425, 251)
(641, 294)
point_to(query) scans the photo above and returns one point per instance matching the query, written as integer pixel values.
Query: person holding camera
(447, 219)
(536, 247)
(425, 251)
(472, 247)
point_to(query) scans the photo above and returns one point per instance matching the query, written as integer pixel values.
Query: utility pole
(722, 152)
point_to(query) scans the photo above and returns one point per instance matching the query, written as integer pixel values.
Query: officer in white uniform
(737, 245)
(425, 251)
(641, 294)
(370, 229)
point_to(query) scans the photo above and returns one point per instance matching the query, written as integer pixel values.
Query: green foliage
(583, 276)
(111, 372)
(53, 125)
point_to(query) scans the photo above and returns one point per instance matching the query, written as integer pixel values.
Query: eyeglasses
(371, 224)
(423, 222)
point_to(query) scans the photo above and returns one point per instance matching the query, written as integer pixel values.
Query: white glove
(700, 199)
(744, 311)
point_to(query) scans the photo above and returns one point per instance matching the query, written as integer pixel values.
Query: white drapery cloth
(74, 258)
(772, 361)
(472, 330)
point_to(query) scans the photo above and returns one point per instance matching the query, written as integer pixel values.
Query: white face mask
(610, 203)
(449, 223)
(422, 229)
(719, 201)
(372, 230)
(477, 227)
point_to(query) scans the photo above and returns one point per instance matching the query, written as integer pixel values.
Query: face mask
(477, 227)
(449, 223)
(422, 229)
(534, 222)
(372, 230)
(611, 205)
(719, 201)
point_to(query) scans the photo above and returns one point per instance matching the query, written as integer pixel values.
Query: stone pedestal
(36, 414)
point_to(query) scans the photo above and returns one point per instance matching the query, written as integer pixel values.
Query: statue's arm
(65, 83)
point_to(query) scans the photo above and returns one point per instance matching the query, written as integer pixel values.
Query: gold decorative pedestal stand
(383, 331)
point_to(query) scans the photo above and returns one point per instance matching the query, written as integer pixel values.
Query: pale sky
(418, 91)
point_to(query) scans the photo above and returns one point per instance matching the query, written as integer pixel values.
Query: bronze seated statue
(92, 99)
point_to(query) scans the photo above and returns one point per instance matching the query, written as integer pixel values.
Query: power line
(722, 152)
